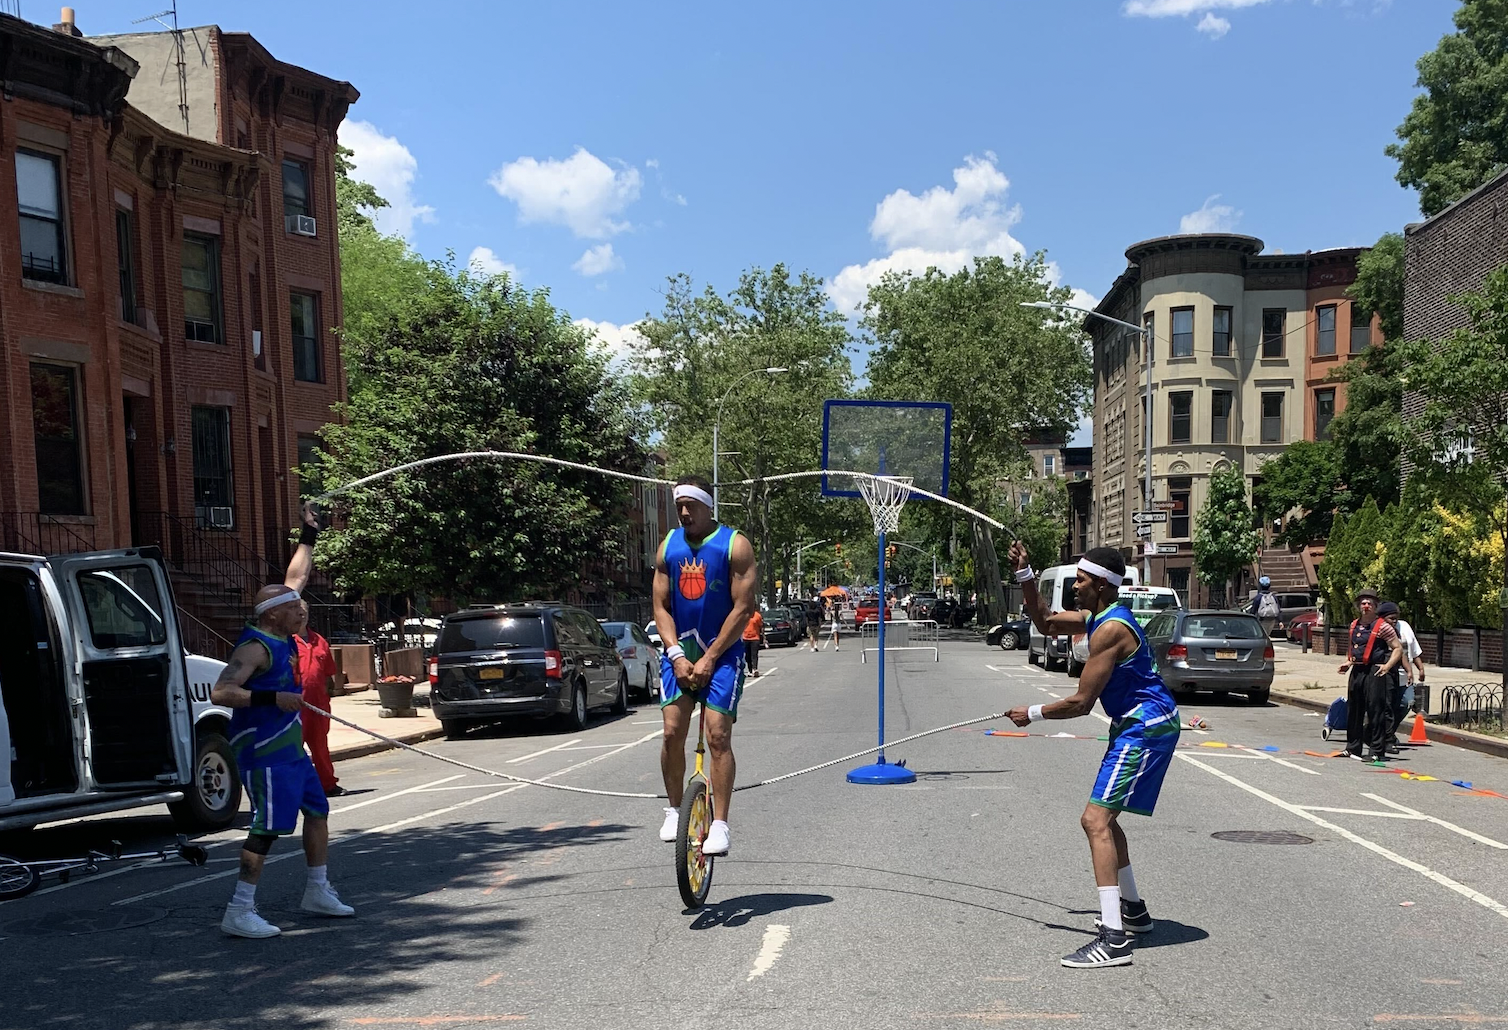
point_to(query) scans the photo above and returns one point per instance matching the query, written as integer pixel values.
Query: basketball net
(886, 496)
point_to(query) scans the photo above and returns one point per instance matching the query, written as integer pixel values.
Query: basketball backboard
(886, 438)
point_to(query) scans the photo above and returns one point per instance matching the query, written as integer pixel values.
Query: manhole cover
(74, 923)
(1262, 837)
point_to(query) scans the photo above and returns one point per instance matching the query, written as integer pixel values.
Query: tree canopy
(1225, 540)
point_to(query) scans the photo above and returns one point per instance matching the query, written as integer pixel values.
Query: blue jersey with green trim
(266, 735)
(1134, 681)
(701, 590)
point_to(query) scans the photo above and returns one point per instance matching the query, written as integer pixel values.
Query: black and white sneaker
(1135, 917)
(1110, 948)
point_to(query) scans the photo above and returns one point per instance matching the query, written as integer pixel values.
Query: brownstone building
(169, 274)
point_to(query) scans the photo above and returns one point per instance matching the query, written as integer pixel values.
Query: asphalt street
(939, 904)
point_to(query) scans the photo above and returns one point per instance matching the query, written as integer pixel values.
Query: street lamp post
(1146, 335)
(772, 370)
(808, 547)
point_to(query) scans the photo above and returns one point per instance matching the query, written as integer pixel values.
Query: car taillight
(627, 652)
(553, 661)
(1269, 653)
(1178, 652)
(434, 671)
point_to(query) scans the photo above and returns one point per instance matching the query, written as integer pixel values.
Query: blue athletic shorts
(1137, 759)
(720, 695)
(280, 792)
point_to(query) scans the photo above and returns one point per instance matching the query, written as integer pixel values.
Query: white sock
(721, 822)
(1128, 885)
(245, 895)
(673, 811)
(319, 875)
(1110, 907)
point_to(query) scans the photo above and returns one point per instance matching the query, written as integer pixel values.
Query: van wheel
(620, 699)
(212, 800)
(1259, 697)
(575, 720)
(1075, 669)
(454, 729)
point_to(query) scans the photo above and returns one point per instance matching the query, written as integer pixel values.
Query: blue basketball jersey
(701, 590)
(266, 735)
(1135, 680)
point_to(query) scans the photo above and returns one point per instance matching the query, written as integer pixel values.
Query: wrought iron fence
(1477, 706)
(34, 532)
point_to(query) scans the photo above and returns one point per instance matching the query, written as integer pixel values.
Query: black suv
(538, 658)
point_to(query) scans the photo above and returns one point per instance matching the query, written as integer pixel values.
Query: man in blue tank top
(260, 686)
(1144, 724)
(704, 593)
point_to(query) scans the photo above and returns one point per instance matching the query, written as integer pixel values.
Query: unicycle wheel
(693, 870)
(16, 880)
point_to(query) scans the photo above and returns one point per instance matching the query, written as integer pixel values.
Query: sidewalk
(362, 708)
(1297, 674)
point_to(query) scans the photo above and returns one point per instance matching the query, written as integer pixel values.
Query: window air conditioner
(222, 518)
(303, 225)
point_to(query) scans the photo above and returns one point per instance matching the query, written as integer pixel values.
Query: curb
(375, 746)
(1437, 734)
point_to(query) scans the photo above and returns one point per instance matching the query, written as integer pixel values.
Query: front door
(139, 722)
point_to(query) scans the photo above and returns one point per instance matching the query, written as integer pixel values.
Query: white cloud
(1181, 8)
(1210, 217)
(485, 261)
(942, 228)
(597, 260)
(389, 168)
(583, 192)
(1212, 25)
(615, 339)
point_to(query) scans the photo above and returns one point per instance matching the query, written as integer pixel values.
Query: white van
(1056, 585)
(1144, 602)
(100, 708)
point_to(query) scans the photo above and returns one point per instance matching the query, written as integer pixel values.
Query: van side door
(127, 652)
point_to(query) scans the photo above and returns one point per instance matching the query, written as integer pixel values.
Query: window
(254, 299)
(1149, 322)
(1180, 489)
(1361, 328)
(1272, 332)
(39, 196)
(1180, 415)
(55, 428)
(214, 497)
(1221, 343)
(306, 364)
(1324, 411)
(295, 190)
(1178, 579)
(1220, 406)
(1272, 418)
(308, 475)
(201, 289)
(123, 607)
(125, 247)
(1325, 325)
(1183, 332)
(1049, 465)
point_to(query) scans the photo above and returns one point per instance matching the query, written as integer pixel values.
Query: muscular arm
(245, 662)
(744, 574)
(302, 562)
(1039, 610)
(1113, 642)
(664, 620)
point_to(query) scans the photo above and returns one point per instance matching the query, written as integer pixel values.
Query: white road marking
(1492, 905)
(396, 794)
(389, 826)
(1272, 758)
(536, 754)
(1361, 811)
(591, 747)
(648, 722)
(1452, 827)
(775, 938)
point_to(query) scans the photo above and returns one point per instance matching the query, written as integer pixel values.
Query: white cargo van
(1144, 602)
(1056, 585)
(100, 708)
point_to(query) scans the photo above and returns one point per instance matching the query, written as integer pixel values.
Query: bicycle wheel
(16, 880)
(693, 870)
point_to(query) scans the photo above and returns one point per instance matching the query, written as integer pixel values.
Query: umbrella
(835, 591)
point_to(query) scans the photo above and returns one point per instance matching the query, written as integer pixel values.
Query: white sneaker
(671, 826)
(718, 841)
(321, 899)
(244, 922)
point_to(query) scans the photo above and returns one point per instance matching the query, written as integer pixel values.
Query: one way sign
(1146, 518)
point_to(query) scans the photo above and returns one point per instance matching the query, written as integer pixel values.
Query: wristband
(308, 534)
(675, 651)
(264, 698)
(1025, 575)
(1034, 713)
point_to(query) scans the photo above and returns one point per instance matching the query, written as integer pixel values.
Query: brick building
(168, 277)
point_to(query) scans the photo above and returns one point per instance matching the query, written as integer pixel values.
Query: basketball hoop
(886, 496)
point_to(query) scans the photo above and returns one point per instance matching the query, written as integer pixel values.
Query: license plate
(1224, 655)
(497, 674)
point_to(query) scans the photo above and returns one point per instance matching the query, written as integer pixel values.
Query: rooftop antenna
(172, 12)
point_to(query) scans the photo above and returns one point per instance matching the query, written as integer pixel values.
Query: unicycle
(693, 870)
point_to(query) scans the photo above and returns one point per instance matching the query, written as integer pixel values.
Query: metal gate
(900, 635)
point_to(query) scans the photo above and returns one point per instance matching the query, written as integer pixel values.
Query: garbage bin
(1421, 697)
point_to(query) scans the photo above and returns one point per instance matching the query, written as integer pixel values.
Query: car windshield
(492, 634)
(619, 631)
(1217, 627)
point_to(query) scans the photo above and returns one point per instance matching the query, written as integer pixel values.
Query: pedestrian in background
(1368, 719)
(316, 675)
(1412, 664)
(753, 641)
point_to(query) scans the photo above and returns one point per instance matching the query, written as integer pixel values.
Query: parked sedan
(779, 627)
(869, 611)
(1298, 622)
(641, 659)
(1220, 651)
(1009, 635)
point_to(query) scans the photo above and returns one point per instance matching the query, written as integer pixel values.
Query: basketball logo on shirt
(693, 579)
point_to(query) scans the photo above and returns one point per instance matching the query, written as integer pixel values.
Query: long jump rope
(993, 717)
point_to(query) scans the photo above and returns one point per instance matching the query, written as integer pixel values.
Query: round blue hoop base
(881, 772)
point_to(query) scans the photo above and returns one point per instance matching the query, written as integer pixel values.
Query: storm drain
(74, 923)
(1262, 837)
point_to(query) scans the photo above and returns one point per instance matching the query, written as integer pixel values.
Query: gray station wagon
(1220, 651)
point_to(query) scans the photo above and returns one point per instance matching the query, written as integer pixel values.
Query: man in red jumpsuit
(316, 672)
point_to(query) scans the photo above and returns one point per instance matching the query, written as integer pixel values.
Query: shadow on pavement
(738, 911)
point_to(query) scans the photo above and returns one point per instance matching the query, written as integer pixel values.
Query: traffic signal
(839, 546)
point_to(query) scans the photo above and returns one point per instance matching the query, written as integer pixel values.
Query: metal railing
(34, 532)
(1476, 706)
(198, 638)
(900, 635)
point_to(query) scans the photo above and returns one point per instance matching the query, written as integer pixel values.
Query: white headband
(695, 493)
(1099, 570)
(275, 601)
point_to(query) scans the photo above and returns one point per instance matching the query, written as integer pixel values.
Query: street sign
(1167, 548)
(1142, 532)
(1143, 518)
(1166, 505)
(1148, 548)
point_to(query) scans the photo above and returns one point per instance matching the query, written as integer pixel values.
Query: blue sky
(597, 148)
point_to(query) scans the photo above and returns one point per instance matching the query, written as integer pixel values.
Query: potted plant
(396, 693)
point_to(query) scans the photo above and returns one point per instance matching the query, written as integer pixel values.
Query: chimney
(66, 25)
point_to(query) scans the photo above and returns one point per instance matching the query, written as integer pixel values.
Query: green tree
(1225, 541)
(1456, 136)
(1352, 560)
(1008, 371)
(1306, 478)
(1379, 283)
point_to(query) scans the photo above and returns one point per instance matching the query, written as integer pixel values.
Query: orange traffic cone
(1418, 736)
